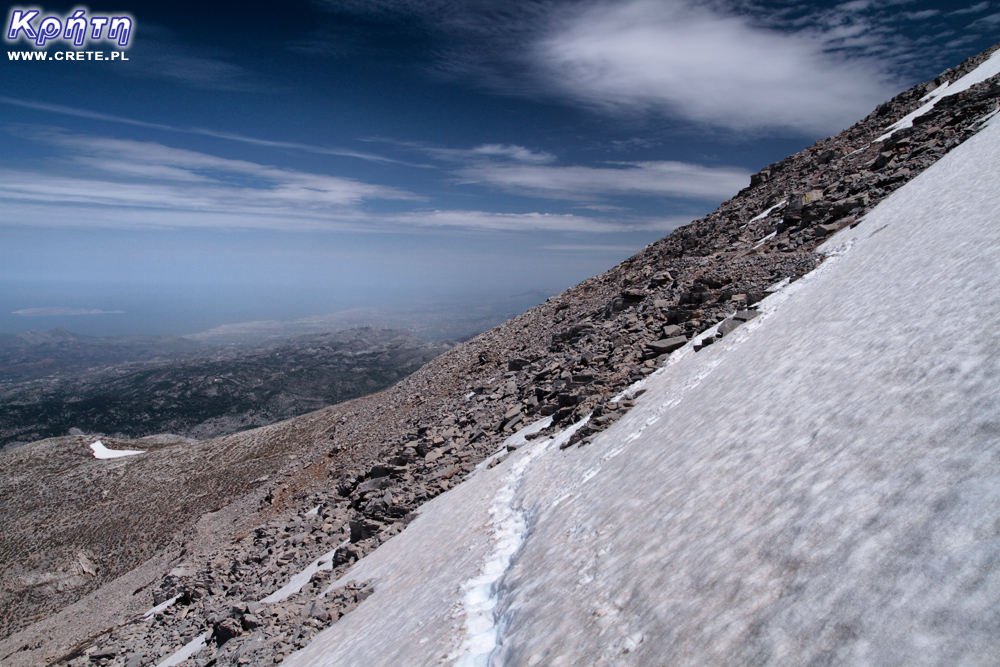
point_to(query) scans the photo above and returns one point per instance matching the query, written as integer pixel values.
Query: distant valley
(55, 382)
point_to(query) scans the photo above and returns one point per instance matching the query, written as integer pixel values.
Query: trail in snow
(508, 528)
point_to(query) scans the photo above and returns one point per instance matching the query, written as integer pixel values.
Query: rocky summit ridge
(329, 487)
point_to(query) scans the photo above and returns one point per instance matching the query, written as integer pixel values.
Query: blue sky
(274, 161)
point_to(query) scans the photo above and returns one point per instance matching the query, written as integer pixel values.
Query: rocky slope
(364, 467)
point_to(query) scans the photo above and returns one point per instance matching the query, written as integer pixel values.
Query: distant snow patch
(102, 452)
(765, 239)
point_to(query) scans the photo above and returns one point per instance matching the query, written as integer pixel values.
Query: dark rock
(760, 177)
(728, 326)
(362, 529)
(745, 315)
(671, 330)
(250, 622)
(103, 654)
(379, 471)
(227, 629)
(376, 484)
(634, 295)
(667, 345)
(517, 364)
(344, 555)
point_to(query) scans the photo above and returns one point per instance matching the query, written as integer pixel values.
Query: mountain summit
(768, 438)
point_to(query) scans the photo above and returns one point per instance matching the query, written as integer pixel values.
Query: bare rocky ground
(363, 468)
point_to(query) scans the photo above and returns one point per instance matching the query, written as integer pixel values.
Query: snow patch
(295, 584)
(764, 214)
(517, 440)
(160, 607)
(765, 240)
(820, 485)
(102, 452)
(189, 649)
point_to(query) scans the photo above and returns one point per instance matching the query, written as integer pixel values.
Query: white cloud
(659, 179)
(707, 66)
(485, 152)
(115, 183)
(744, 65)
(974, 9)
(515, 153)
(986, 22)
(37, 213)
(921, 15)
(59, 311)
(124, 184)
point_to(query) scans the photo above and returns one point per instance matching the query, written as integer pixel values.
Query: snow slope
(822, 486)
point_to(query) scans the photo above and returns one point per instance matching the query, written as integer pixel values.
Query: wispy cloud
(659, 179)
(229, 136)
(974, 9)
(526, 171)
(59, 311)
(133, 184)
(921, 15)
(986, 22)
(147, 177)
(511, 152)
(510, 222)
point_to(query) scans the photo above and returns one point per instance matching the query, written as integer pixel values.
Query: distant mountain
(453, 320)
(660, 465)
